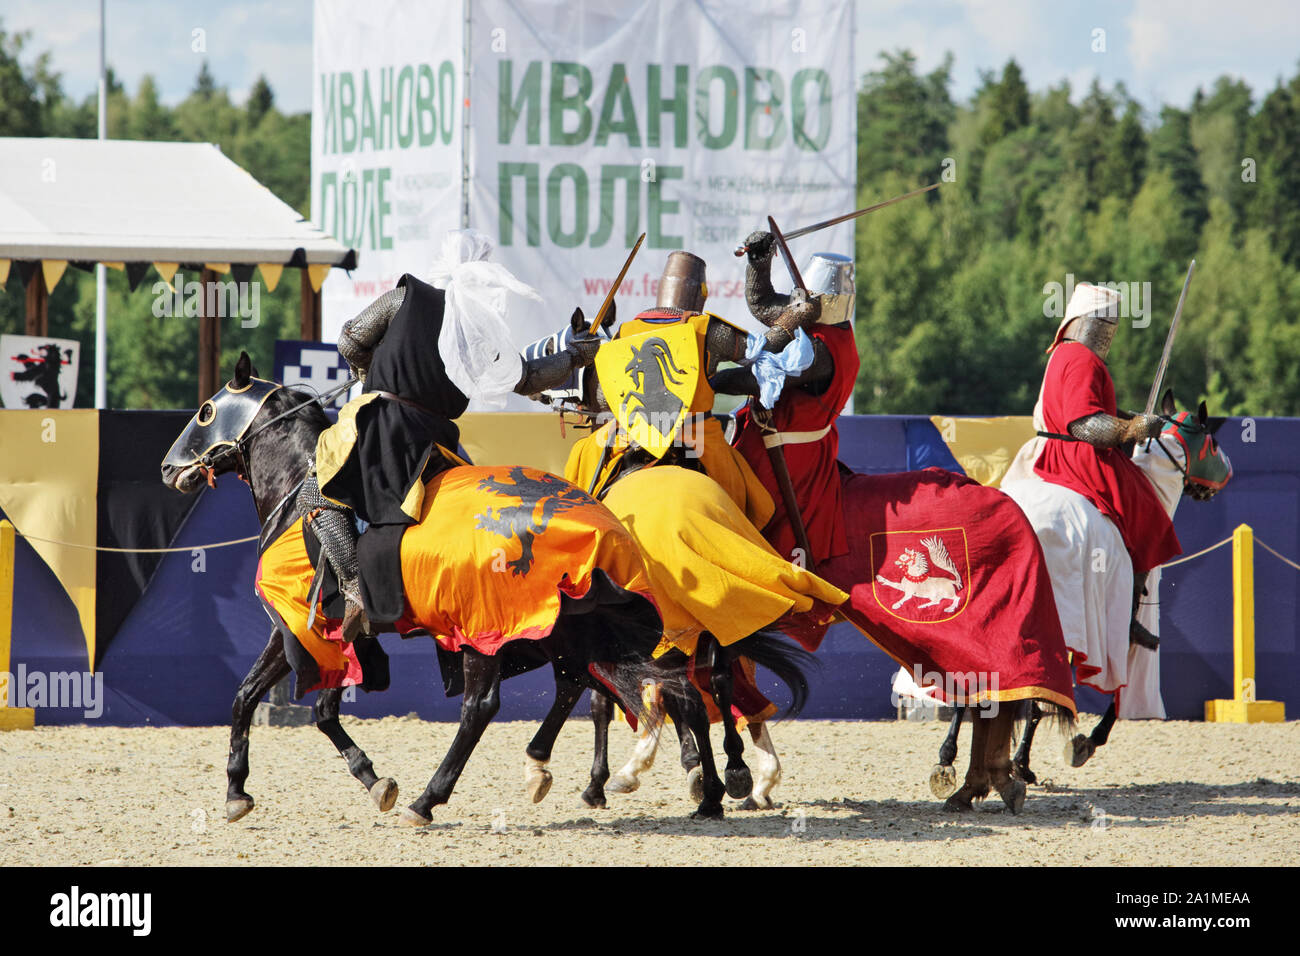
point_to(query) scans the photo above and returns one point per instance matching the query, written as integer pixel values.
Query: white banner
(37, 371)
(386, 141)
(690, 121)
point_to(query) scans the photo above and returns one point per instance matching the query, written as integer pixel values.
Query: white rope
(92, 547)
(1285, 560)
(1170, 564)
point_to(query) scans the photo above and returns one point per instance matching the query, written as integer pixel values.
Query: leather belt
(389, 396)
(773, 439)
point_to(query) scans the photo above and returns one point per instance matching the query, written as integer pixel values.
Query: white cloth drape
(475, 342)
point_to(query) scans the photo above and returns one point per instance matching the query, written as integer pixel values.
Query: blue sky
(1161, 49)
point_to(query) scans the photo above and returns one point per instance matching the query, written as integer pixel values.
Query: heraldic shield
(921, 576)
(649, 381)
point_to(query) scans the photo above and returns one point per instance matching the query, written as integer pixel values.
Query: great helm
(682, 286)
(1091, 318)
(829, 277)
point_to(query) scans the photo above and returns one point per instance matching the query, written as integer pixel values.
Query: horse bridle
(1191, 488)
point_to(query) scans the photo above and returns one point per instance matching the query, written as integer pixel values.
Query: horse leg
(687, 711)
(326, 713)
(943, 778)
(481, 703)
(628, 779)
(602, 712)
(1020, 762)
(537, 779)
(976, 786)
(269, 669)
(998, 758)
(740, 783)
(768, 773)
(1081, 747)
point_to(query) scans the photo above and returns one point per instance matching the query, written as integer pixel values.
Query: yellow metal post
(1244, 708)
(11, 718)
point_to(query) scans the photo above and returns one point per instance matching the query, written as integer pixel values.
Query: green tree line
(952, 290)
(951, 317)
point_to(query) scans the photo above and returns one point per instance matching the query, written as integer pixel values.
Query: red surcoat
(814, 471)
(1077, 384)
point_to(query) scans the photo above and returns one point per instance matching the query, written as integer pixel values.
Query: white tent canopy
(132, 201)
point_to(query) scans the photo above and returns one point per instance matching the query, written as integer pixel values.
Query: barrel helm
(571, 389)
(829, 277)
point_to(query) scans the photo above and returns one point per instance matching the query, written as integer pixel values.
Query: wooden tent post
(209, 339)
(311, 326)
(38, 304)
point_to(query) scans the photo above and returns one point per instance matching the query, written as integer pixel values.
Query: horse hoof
(708, 811)
(956, 804)
(761, 803)
(594, 799)
(1013, 795)
(410, 817)
(238, 809)
(384, 793)
(1023, 773)
(943, 781)
(695, 784)
(539, 785)
(740, 783)
(622, 783)
(1079, 750)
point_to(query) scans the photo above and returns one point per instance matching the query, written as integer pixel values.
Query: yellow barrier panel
(11, 718)
(1244, 708)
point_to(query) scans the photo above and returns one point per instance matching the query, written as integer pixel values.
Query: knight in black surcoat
(400, 432)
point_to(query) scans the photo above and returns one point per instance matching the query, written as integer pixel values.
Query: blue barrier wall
(184, 647)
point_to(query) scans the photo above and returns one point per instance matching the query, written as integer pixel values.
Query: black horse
(267, 444)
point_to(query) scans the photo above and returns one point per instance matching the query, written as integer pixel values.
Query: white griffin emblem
(918, 582)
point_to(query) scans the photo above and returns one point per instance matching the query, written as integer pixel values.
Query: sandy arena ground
(854, 793)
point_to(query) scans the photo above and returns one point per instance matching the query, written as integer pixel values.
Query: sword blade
(785, 254)
(1169, 344)
(826, 224)
(609, 298)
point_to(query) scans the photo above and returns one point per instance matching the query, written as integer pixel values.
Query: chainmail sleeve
(765, 303)
(362, 333)
(1107, 431)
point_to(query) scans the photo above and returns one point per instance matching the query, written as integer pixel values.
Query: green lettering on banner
(529, 99)
(562, 103)
(386, 119)
(405, 106)
(660, 207)
(424, 93)
(756, 109)
(799, 109)
(555, 205)
(447, 99)
(367, 114)
(532, 200)
(609, 176)
(329, 203)
(330, 132)
(384, 206)
(347, 118)
(676, 104)
(730, 106)
(618, 96)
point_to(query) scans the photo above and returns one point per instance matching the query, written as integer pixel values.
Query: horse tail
(790, 663)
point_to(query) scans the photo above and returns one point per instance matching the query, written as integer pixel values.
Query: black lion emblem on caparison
(522, 521)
